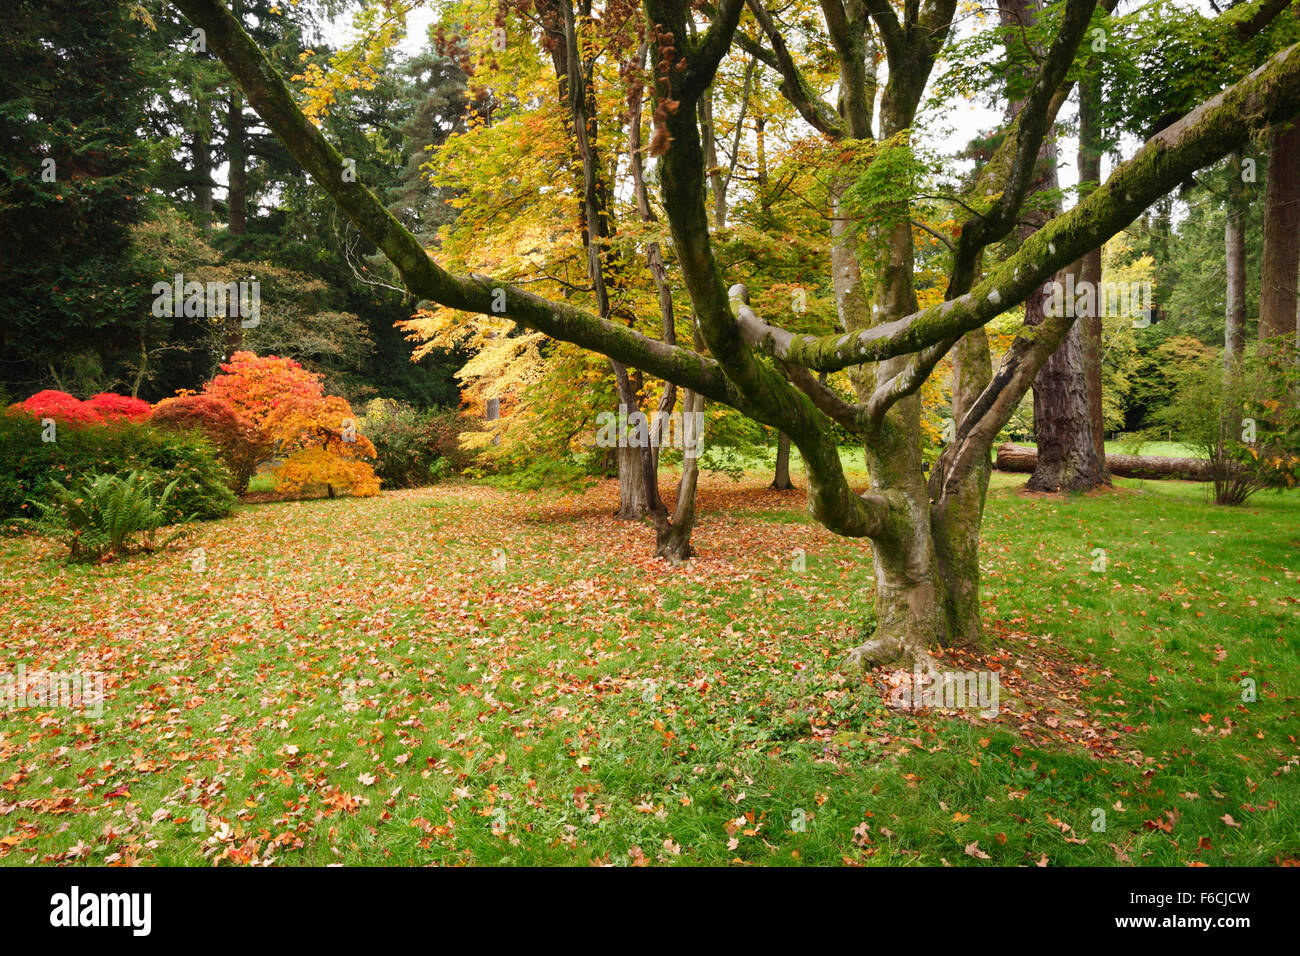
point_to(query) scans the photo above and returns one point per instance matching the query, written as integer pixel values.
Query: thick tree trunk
(1018, 458)
(632, 503)
(957, 517)
(1090, 344)
(909, 601)
(1280, 261)
(1234, 241)
(1067, 457)
(1063, 423)
(781, 481)
(638, 485)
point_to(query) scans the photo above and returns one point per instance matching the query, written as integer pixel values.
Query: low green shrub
(32, 455)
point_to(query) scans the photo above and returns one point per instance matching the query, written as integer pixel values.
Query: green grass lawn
(468, 675)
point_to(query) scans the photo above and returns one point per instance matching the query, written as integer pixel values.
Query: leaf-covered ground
(468, 675)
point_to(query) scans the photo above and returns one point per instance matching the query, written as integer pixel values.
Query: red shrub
(107, 406)
(60, 406)
(236, 439)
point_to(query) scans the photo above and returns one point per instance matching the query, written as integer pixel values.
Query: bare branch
(830, 404)
(793, 85)
(907, 381)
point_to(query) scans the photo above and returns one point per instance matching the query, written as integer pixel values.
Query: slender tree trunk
(1089, 165)
(1280, 260)
(781, 481)
(716, 183)
(638, 487)
(140, 372)
(492, 408)
(1234, 240)
(202, 154)
(673, 535)
(237, 155)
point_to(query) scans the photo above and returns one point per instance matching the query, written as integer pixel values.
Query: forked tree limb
(776, 401)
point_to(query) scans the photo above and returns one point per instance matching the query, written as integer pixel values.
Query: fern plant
(108, 516)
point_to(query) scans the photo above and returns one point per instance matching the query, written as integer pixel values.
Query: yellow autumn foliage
(312, 467)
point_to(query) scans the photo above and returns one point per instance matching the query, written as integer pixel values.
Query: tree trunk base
(891, 649)
(674, 548)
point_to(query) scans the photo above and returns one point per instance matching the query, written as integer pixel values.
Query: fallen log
(1018, 458)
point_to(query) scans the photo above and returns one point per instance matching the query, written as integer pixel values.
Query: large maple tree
(924, 529)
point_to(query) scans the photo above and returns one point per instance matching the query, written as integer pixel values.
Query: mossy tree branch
(1268, 95)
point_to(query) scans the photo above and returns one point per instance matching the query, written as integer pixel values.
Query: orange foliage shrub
(316, 466)
(324, 448)
(288, 408)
